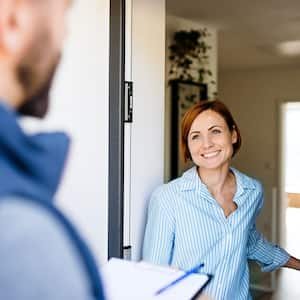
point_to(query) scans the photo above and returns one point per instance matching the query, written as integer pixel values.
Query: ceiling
(248, 31)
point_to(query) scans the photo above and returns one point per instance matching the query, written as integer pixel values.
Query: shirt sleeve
(159, 234)
(268, 255)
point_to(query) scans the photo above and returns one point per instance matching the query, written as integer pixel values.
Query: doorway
(290, 186)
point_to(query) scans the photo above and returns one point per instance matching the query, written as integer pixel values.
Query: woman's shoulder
(178, 184)
(164, 197)
(171, 191)
(168, 188)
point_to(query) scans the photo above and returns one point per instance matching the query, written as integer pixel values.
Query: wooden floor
(288, 284)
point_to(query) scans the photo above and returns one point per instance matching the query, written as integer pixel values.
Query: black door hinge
(128, 101)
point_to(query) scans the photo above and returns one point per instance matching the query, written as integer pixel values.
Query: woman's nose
(207, 142)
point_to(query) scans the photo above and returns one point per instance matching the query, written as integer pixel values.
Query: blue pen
(180, 278)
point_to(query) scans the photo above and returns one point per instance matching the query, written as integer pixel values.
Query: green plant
(189, 56)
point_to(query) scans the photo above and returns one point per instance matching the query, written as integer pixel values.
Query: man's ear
(14, 17)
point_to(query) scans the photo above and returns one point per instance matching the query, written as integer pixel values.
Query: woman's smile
(211, 154)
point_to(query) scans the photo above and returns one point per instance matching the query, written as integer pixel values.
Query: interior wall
(79, 105)
(174, 24)
(254, 97)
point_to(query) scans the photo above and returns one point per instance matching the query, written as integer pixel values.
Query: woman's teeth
(211, 154)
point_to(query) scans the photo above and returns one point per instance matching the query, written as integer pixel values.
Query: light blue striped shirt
(186, 226)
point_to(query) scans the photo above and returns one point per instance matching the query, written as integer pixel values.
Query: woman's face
(210, 140)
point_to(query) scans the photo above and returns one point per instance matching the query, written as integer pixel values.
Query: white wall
(148, 74)
(174, 24)
(79, 105)
(254, 97)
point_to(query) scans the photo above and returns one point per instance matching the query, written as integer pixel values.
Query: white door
(144, 137)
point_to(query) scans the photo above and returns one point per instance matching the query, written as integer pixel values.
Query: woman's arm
(160, 231)
(269, 256)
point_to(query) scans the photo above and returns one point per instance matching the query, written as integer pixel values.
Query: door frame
(282, 203)
(116, 128)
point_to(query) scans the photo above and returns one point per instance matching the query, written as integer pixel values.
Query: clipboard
(123, 279)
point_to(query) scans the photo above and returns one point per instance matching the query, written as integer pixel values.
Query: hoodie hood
(31, 165)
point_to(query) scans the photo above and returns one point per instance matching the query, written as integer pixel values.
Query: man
(41, 255)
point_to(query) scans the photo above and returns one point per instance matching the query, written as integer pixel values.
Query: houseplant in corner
(189, 57)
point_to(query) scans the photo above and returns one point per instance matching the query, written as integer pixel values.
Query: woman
(208, 214)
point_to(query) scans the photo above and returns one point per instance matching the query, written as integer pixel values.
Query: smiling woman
(208, 214)
(205, 125)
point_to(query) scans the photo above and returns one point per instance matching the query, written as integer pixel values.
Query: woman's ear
(233, 136)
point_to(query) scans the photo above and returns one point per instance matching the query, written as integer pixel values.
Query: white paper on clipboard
(123, 279)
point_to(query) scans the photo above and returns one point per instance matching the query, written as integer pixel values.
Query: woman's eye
(216, 131)
(195, 136)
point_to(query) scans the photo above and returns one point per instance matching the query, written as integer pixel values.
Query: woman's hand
(293, 263)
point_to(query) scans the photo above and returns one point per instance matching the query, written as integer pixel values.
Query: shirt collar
(190, 180)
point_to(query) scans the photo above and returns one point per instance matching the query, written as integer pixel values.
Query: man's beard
(37, 103)
(36, 83)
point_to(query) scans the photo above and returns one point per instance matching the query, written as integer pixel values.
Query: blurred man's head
(31, 37)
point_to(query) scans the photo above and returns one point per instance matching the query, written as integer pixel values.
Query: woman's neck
(216, 179)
